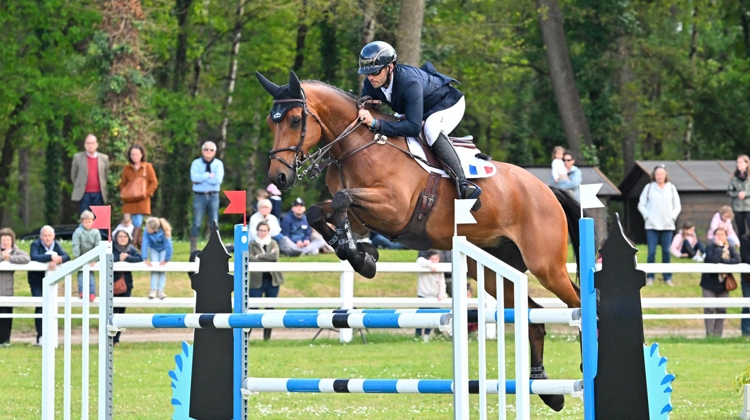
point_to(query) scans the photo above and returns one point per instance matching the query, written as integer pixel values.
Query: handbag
(135, 190)
(121, 287)
(730, 283)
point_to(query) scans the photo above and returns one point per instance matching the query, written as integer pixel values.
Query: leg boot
(193, 243)
(444, 150)
(267, 334)
(137, 237)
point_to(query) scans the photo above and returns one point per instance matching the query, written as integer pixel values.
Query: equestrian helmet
(375, 56)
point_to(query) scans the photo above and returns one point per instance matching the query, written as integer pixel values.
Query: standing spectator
(296, 233)
(137, 177)
(126, 224)
(739, 190)
(686, 245)
(89, 175)
(206, 173)
(84, 240)
(44, 250)
(659, 205)
(745, 282)
(9, 254)
(264, 249)
(275, 200)
(264, 215)
(573, 182)
(446, 256)
(430, 285)
(123, 251)
(157, 248)
(559, 171)
(723, 219)
(717, 252)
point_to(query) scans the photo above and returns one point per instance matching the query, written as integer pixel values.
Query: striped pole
(402, 386)
(239, 362)
(330, 320)
(589, 343)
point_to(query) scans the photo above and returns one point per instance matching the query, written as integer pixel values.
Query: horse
(376, 185)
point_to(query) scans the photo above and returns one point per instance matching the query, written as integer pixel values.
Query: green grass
(703, 388)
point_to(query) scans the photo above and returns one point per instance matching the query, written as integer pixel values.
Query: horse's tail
(572, 209)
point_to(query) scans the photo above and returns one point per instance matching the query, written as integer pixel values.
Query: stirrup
(463, 185)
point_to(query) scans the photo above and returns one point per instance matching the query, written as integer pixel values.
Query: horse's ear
(294, 85)
(268, 85)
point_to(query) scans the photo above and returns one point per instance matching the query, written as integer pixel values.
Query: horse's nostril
(281, 180)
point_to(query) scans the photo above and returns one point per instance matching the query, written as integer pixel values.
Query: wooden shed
(701, 184)
(589, 175)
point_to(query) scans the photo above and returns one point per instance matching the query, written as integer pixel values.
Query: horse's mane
(350, 96)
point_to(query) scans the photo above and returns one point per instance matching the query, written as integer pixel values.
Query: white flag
(463, 212)
(588, 196)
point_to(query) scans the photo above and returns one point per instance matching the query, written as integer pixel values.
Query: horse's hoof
(370, 249)
(555, 402)
(476, 206)
(364, 264)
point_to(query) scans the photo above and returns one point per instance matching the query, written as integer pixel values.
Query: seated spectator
(723, 218)
(264, 215)
(296, 233)
(9, 254)
(123, 251)
(430, 285)
(157, 248)
(714, 285)
(686, 245)
(264, 249)
(44, 250)
(126, 224)
(84, 240)
(275, 200)
(381, 241)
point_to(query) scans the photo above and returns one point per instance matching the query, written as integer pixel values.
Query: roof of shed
(590, 175)
(686, 175)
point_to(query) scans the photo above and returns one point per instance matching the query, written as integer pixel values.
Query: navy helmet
(375, 56)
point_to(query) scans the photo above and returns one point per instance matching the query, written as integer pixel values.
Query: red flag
(102, 218)
(237, 204)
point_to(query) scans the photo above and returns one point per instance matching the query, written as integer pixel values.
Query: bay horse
(376, 186)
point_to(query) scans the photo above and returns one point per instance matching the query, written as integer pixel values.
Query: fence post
(347, 298)
(49, 322)
(460, 334)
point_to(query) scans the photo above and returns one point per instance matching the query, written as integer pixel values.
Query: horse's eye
(295, 122)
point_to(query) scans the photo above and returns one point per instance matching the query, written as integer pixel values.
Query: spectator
(296, 233)
(44, 250)
(89, 173)
(714, 285)
(126, 224)
(559, 171)
(9, 254)
(573, 182)
(206, 173)
(430, 285)
(275, 200)
(157, 248)
(264, 215)
(138, 184)
(84, 240)
(659, 205)
(260, 194)
(723, 219)
(446, 257)
(380, 241)
(123, 251)
(745, 281)
(739, 190)
(264, 249)
(686, 245)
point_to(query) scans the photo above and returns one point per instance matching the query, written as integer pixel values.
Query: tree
(409, 36)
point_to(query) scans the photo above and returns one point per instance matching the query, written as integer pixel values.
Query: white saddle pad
(473, 166)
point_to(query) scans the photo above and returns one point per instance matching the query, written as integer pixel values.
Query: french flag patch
(481, 170)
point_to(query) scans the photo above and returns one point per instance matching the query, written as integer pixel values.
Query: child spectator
(723, 219)
(260, 194)
(84, 240)
(275, 200)
(686, 245)
(430, 285)
(123, 251)
(714, 285)
(126, 224)
(157, 248)
(9, 253)
(558, 166)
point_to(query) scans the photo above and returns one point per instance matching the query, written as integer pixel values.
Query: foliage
(742, 379)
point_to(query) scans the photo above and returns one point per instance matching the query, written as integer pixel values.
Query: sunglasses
(568, 160)
(209, 150)
(662, 166)
(377, 73)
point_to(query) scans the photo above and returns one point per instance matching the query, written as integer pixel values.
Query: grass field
(703, 388)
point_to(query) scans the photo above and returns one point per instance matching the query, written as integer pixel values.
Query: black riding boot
(444, 150)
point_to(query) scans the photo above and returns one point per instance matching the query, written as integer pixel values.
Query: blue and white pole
(590, 346)
(240, 247)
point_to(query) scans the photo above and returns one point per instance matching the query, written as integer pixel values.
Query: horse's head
(289, 122)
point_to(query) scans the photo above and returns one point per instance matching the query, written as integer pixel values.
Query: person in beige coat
(264, 249)
(9, 254)
(89, 173)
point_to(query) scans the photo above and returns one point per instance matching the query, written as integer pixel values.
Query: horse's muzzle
(283, 180)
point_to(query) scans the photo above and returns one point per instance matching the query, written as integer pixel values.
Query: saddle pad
(473, 166)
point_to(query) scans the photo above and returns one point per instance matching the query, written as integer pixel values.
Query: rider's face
(377, 81)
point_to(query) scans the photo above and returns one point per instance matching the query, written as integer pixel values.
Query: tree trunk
(301, 36)
(629, 103)
(182, 10)
(24, 169)
(409, 35)
(688, 144)
(745, 26)
(9, 151)
(563, 79)
(329, 51)
(232, 77)
(369, 23)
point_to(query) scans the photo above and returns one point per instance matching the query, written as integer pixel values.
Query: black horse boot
(444, 150)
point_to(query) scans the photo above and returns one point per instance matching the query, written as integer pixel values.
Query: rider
(419, 95)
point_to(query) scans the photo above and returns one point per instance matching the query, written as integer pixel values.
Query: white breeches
(445, 121)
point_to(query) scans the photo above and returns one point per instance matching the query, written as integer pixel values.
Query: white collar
(92, 156)
(389, 90)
